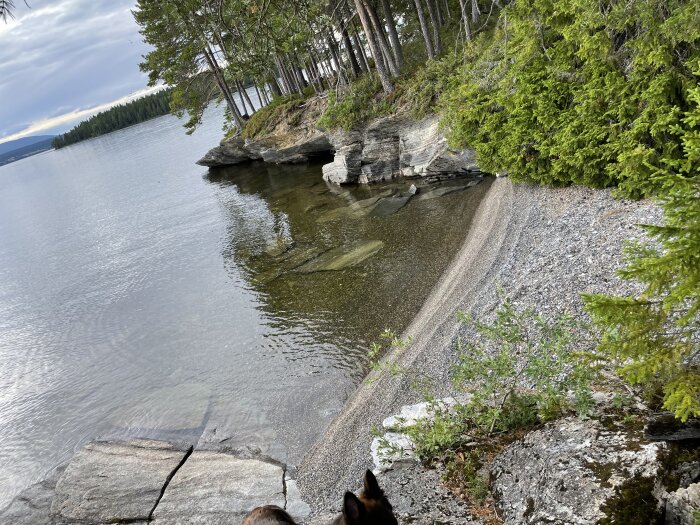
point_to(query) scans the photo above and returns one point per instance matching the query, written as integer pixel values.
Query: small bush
(361, 101)
(265, 119)
(520, 368)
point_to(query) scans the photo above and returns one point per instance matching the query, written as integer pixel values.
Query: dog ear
(372, 489)
(352, 508)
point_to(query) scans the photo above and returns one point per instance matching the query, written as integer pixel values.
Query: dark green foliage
(579, 91)
(118, 117)
(654, 338)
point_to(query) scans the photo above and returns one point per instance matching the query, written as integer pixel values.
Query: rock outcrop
(149, 481)
(395, 146)
(385, 149)
(578, 472)
(229, 152)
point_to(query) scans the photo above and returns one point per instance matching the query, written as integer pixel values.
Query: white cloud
(60, 57)
(80, 114)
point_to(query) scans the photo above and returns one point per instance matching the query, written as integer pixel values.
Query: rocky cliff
(385, 149)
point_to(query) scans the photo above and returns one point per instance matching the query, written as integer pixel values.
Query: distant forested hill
(118, 117)
(24, 147)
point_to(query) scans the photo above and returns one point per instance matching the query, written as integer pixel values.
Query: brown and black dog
(370, 508)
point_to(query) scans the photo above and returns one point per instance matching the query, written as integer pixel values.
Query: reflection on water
(140, 296)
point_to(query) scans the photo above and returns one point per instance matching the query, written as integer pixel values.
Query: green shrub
(420, 91)
(520, 368)
(265, 119)
(360, 102)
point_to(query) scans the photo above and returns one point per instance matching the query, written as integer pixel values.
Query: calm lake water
(140, 296)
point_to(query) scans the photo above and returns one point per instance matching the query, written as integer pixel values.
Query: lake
(142, 296)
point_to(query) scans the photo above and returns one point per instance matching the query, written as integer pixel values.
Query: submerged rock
(175, 408)
(342, 257)
(578, 472)
(110, 482)
(390, 205)
(32, 505)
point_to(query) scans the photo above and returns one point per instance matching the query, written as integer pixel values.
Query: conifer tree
(655, 336)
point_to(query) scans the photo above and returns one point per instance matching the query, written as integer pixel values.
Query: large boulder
(579, 472)
(112, 482)
(683, 505)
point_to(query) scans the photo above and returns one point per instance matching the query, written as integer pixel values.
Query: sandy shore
(544, 246)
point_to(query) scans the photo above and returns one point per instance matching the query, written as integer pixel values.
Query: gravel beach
(543, 246)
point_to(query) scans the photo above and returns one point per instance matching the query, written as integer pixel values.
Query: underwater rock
(342, 257)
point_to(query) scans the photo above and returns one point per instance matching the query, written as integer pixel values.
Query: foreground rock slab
(110, 482)
(218, 488)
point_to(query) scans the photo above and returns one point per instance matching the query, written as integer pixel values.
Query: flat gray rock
(109, 482)
(229, 152)
(218, 488)
(390, 205)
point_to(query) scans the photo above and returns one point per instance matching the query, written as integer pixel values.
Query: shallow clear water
(140, 296)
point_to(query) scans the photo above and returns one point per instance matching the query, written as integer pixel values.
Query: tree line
(286, 47)
(117, 117)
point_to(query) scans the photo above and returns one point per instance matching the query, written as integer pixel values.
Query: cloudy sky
(62, 60)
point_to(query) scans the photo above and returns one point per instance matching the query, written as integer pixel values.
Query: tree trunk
(262, 95)
(364, 63)
(446, 5)
(275, 88)
(393, 34)
(438, 12)
(317, 69)
(476, 14)
(382, 39)
(382, 70)
(465, 20)
(299, 72)
(424, 29)
(244, 96)
(354, 64)
(436, 27)
(284, 85)
(333, 48)
(223, 87)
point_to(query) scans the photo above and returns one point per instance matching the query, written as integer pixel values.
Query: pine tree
(655, 337)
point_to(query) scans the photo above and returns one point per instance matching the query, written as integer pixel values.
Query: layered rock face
(392, 147)
(385, 149)
(277, 149)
